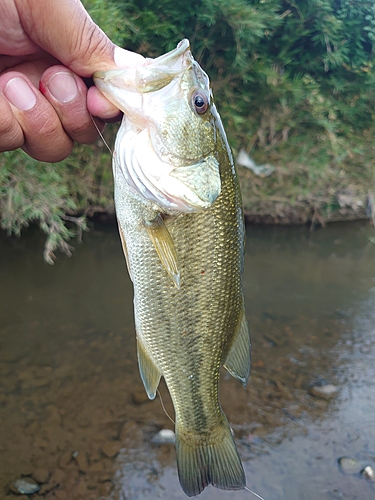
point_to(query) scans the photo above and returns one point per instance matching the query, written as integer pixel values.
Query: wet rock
(65, 459)
(57, 477)
(24, 486)
(41, 475)
(111, 448)
(139, 397)
(96, 467)
(327, 392)
(107, 463)
(82, 461)
(165, 436)
(61, 494)
(349, 465)
(81, 489)
(95, 456)
(368, 473)
(41, 442)
(105, 477)
(47, 488)
(105, 488)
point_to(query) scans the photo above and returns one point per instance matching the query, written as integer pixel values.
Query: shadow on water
(73, 411)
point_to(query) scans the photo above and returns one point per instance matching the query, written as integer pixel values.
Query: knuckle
(11, 135)
(47, 140)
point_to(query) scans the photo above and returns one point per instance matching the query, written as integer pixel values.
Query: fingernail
(63, 87)
(125, 58)
(19, 93)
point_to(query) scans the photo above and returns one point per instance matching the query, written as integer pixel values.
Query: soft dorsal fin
(239, 357)
(150, 374)
(164, 246)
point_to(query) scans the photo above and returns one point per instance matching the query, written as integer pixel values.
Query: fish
(181, 224)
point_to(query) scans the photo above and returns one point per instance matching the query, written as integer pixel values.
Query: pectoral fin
(164, 246)
(239, 357)
(150, 374)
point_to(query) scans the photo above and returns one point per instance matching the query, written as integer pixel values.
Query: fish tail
(208, 460)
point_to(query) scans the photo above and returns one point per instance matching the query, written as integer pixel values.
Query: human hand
(47, 48)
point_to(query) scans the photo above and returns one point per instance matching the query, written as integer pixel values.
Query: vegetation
(295, 85)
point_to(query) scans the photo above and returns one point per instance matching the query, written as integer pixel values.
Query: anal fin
(150, 374)
(239, 357)
(164, 246)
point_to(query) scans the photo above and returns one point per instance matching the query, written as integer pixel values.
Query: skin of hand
(47, 49)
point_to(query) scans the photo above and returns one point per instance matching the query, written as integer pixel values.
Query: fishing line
(162, 405)
(253, 492)
(101, 135)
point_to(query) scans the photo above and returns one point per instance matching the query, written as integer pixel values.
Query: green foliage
(294, 82)
(54, 195)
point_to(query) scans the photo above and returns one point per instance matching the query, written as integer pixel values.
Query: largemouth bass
(179, 211)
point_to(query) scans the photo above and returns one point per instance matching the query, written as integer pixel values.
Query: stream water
(73, 412)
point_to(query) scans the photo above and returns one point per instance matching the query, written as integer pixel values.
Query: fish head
(166, 147)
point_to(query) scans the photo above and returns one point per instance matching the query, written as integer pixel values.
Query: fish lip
(175, 53)
(168, 58)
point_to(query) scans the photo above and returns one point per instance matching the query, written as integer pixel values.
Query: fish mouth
(121, 86)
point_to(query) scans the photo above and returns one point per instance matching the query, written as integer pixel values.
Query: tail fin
(208, 460)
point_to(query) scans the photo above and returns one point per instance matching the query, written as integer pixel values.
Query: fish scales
(186, 266)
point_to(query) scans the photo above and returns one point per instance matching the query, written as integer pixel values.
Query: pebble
(81, 489)
(368, 473)
(25, 486)
(105, 488)
(58, 476)
(41, 475)
(165, 436)
(61, 494)
(65, 459)
(328, 391)
(349, 465)
(111, 448)
(96, 467)
(82, 461)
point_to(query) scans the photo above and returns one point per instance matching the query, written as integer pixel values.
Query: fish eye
(200, 102)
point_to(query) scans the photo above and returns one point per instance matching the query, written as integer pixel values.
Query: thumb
(65, 30)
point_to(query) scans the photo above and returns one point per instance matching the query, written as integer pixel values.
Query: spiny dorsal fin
(150, 374)
(164, 246)
(239, 356)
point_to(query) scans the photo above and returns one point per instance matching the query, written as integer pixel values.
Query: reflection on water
(72, 405)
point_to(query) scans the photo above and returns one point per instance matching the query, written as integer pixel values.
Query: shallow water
(72, 405)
